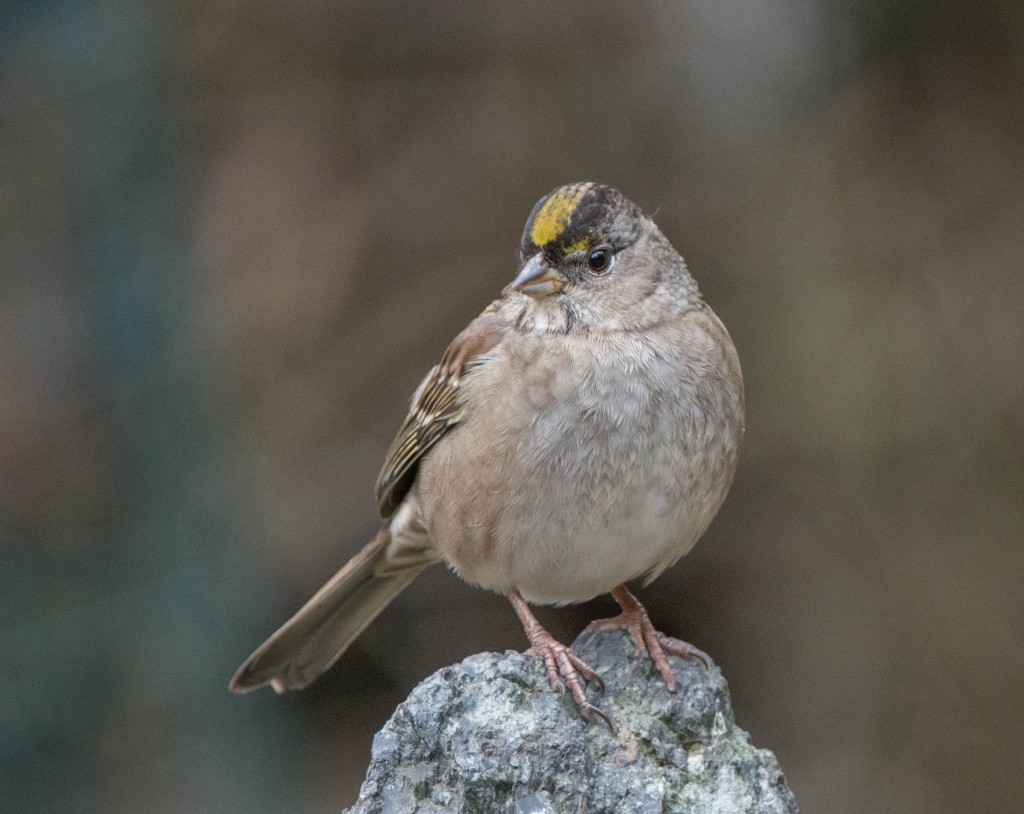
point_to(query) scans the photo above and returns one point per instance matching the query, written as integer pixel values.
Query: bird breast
(585, 461)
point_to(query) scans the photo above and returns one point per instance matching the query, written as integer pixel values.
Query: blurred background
(234, 235)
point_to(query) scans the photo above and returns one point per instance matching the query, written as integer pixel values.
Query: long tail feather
(315, 637)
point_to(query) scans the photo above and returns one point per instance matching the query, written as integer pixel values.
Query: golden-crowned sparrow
(580, 433)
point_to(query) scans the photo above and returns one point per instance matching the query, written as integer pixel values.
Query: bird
(580, 434)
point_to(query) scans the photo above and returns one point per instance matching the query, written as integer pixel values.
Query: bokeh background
(235, 234)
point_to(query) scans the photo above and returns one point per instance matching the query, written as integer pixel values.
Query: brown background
(235, 235)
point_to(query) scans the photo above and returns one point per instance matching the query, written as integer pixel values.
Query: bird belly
(558, 563)
(602, 519)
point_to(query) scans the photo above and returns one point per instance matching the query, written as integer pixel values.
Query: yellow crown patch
(555, 215)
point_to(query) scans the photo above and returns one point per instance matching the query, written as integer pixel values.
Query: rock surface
(489, 735)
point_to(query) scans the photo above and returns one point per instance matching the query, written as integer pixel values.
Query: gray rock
(489, 735)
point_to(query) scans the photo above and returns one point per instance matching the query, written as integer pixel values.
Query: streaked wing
(436, 408)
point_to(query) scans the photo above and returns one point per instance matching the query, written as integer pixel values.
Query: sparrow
(579, 434)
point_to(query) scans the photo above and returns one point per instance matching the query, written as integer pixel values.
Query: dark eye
(599, 260)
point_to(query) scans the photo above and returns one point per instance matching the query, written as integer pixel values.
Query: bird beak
(538, 280)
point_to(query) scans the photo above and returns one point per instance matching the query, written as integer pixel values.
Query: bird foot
(646, 639)
(564, 668)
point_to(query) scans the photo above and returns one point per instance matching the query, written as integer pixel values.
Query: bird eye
(599, 260)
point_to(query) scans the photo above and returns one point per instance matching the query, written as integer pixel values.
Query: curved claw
(681, 650)
(590, 709)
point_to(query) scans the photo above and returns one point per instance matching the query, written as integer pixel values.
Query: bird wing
(436, 408)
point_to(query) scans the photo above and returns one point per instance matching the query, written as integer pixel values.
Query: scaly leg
(563, 666)
(635, 620)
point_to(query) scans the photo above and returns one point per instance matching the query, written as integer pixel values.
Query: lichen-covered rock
(489, 735)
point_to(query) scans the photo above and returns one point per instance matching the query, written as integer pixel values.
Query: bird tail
(315, 637)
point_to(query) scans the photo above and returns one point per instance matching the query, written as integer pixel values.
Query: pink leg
(563, 666)
(635, 620)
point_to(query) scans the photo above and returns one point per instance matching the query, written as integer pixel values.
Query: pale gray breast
(613, 450)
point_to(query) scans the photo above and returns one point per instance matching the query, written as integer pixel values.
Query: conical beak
(538, 280)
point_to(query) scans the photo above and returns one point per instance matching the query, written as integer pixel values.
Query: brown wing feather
(436, 408)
